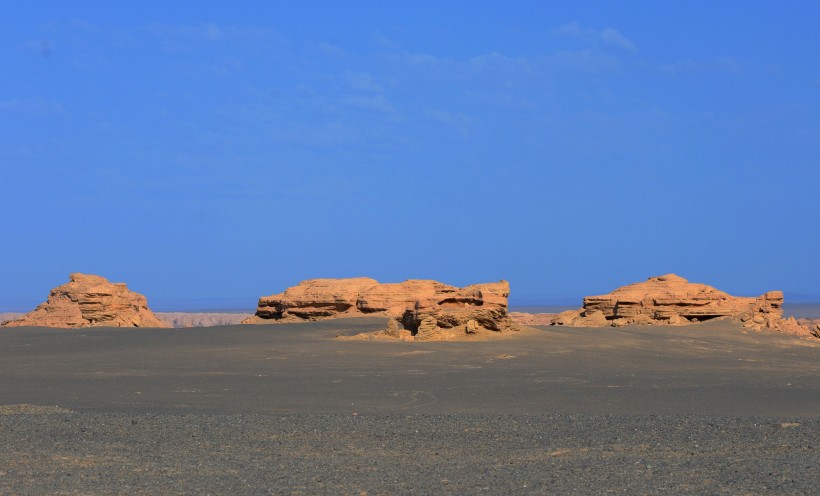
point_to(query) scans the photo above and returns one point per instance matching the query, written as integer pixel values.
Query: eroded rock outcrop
(671, 299)
(424, 307)
(813, 325)
(90, 301)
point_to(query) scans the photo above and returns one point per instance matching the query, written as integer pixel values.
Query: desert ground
(292, 409)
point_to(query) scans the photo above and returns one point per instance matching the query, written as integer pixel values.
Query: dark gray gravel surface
(94, 453)
(290, 409)
(709, 369)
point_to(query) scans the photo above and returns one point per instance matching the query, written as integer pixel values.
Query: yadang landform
(427, 309)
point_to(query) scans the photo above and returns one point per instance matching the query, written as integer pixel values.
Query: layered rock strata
(671, 299)
(90, 301)
(424, 307)
(813, 325)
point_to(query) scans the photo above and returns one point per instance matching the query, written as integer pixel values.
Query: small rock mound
(671, 299)
(813, 325)
(427, 329)
(395, 330)
(90, 301)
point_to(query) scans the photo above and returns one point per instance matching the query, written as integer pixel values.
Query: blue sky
(210, 153)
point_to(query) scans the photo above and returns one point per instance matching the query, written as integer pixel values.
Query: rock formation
(671, 299)
(424, 307)
(90, 301)
(393, 329)
(813, 325)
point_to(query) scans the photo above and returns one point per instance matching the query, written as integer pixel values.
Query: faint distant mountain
(546, 301)
(10, 316)
(176, 319)
(202, 319)
(204, 305)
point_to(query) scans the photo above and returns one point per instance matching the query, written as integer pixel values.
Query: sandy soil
(289, 408)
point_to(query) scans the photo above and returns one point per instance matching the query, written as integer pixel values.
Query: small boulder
(393, 328)
(471, 327)
(677, 320)
(594, 318)
(566, 317)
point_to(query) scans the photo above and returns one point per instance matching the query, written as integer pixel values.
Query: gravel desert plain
(335, 407)
(409, 248)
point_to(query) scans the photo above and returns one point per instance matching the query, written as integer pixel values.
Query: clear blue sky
(216, 152)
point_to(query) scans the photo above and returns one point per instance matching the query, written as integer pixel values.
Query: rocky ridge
(90, 301)
(424, 309)
(671, 299)
(813, 326)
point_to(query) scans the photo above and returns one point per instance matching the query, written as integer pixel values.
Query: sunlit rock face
(411, 303)
(90, 301)
(671, 299)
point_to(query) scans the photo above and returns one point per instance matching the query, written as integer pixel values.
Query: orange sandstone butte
(671, 299)
(90, 301)
(424, 308)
